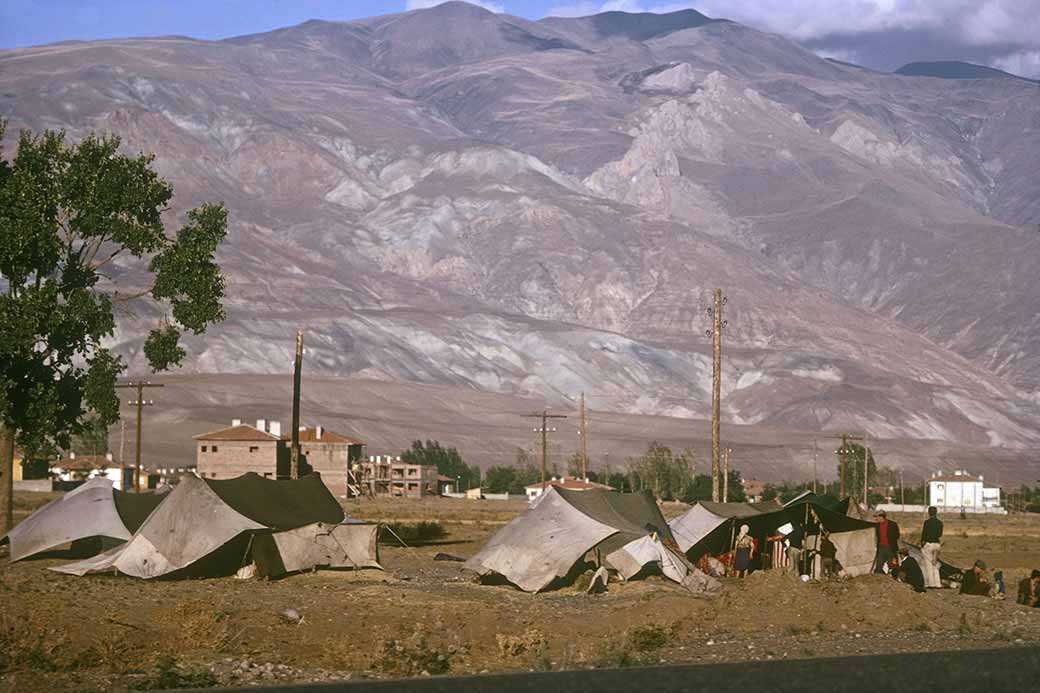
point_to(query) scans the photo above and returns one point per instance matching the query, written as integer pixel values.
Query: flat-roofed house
(240, 448)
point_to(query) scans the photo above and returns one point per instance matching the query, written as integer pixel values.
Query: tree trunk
(6, 479)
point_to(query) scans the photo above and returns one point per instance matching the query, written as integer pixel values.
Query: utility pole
(814, 474)
(716, 386)
(842, 452)
(584, 433)
(544, 415)
(294, 454)
(866, 471)
(902, 497)
(140, 402)
(725, 477)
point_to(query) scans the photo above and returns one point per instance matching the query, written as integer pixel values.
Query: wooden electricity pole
(814, 474)
(842, 452)
(725, 477)
(294, 454)
(140, 402)
(544, 415)
(584, 441)
(716, 386)
(866, 472)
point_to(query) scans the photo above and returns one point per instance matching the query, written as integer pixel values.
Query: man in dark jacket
(887, 533)
(1029, 590)
(975, 581)
(909, 571)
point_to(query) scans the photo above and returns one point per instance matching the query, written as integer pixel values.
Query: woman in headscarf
(744, 547)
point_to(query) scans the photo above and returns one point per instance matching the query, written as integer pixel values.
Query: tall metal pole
(294, 454)
(584, 441)
(716, 387)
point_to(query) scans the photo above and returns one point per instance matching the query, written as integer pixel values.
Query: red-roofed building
(569, 483)
(330, 454)
(240, 448)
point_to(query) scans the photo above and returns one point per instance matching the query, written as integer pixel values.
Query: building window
(204, 448)
(254, 448)
(267, 475)
(214, 448)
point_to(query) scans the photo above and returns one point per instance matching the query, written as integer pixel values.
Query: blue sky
(882, 34)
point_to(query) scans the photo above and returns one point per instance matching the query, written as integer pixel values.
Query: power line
(140, 402)
(544, 415)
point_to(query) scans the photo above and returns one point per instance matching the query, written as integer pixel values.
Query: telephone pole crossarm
(140, 403)
(544, 415)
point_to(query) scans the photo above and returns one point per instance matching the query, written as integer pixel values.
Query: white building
(84, 467)
(962, 491)
(571, 484)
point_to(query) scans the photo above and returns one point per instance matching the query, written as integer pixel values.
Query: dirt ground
(59, 632)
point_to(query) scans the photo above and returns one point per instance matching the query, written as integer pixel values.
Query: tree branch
(116, 298)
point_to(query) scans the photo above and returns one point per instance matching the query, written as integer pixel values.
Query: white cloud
(424, 4)
(1023, 63)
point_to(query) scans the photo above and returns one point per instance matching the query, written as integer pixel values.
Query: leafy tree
(448, 461)
(668, 476)
(92, 438)
(81, 231)
(500, 479)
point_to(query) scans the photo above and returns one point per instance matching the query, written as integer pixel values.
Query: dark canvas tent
(94, 510)
(547, 540)
(215, 527)
(709, 528)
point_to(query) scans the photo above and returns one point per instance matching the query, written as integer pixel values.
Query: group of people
(901, 564)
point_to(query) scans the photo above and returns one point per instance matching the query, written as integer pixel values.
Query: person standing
(744, 548)
(794, 547)
(887, 532)
(931, 534)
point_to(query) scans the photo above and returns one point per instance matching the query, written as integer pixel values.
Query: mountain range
(538, 208)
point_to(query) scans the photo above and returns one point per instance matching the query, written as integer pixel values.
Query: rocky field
(422, 616)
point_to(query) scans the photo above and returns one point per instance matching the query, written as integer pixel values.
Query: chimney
(276, 429)
(236, 422)
(317, 432)
(261, 425)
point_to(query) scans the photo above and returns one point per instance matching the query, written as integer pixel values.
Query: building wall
(397, 479)
(224, 459)
(331, 461)
(955, 494)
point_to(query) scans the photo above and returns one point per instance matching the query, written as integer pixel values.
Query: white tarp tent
(545, 542)
(93, 510)
(215, 526)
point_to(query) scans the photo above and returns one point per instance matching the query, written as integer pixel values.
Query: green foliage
(414, 534)
(68, 214)
(447, 460)
(92, 438)
(668, 476)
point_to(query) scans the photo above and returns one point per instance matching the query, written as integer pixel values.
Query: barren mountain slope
(543, 208)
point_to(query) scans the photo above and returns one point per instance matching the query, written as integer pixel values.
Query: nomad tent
(93, 511)
(546, 542)
(709, 528)
(216, 527)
